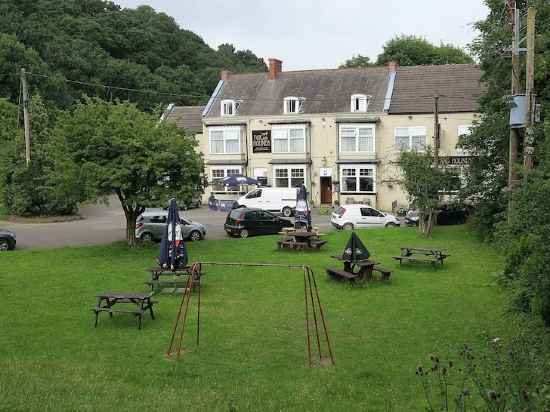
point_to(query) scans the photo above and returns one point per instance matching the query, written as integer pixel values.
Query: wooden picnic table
(422, 254)
(175, 279)
(358, 271)
(141, 301)
(300, 239)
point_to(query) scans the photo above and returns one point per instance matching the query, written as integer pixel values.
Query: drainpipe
(337, 165)
(310, 165)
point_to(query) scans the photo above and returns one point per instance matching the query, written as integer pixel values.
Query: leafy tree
(95, 41)
(413, 50)
(116, 148)
(357, 61)
(424, 182)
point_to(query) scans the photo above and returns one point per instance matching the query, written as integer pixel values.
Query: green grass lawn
(253, 344)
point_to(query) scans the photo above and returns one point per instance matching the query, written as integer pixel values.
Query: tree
(413, 51)
(118, 149)
(424, 181)
(357, 61)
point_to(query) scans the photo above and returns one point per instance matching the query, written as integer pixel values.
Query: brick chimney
(224, 75)
(275, 67)
(392, 66)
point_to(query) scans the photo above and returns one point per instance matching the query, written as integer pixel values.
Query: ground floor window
(219, 173)
(358, 179)
(289, 176)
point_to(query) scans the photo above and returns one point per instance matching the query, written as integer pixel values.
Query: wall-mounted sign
(325, 172)
(455, 160)
(261, 141)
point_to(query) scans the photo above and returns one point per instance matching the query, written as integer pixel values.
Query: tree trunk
(131, 229)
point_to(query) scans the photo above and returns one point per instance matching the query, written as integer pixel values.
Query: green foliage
(357, 61)
(99, 42)
(413, 51)
(33, 189)
(114, 147)
(423, 182)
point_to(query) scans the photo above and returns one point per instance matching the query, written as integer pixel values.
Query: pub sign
(261, 141)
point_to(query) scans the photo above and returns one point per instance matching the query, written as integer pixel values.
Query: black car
(244, 222)
(7, 240)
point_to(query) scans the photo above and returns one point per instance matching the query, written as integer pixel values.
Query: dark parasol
(173, 253)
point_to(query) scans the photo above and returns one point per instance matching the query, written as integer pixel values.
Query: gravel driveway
(105, 224)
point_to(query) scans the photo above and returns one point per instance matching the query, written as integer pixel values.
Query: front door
(326, 190)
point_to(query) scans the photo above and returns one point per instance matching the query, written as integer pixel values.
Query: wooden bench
(341, 275)
(107, 301)
(317, 244)
(416, 259)
(384, 273)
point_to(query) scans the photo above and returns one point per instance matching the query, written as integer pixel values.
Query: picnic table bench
(417, 254)
(176, 279)
(300, 240)
(358, 271)
(142, 302)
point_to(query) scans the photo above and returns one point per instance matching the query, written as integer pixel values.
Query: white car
(361, 217)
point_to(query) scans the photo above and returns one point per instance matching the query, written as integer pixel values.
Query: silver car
(151, 225)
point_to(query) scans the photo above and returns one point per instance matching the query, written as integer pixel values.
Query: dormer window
(293, 105)
(229, 107)
(360, 102)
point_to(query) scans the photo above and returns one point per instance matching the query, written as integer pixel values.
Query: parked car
(245, 221)
(194, 203)
(272, 199)
(446, 215)
(361, 216)
(151, 225)
(7, 240)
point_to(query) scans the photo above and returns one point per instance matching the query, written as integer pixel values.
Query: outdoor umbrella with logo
(173, 253)
(302, 214)
(238, 180)
(355, 250)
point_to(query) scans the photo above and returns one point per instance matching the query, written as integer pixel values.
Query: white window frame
(412, 132)
(289, 168)
(225, 138)
(463, 130)
(298, 107)
(230, 104)
(361, 100)
(357, 168)
(224, 168)
(287, 128)
(357, 126)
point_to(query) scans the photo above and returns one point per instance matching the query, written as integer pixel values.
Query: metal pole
(307, 319)
(322, 317)
(26, 116)
(436, 130)
(529, 86)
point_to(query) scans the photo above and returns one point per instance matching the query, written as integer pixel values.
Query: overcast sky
(316, 34)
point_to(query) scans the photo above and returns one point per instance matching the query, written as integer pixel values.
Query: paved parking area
(106, 223)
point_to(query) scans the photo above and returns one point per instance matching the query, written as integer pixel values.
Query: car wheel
(195, 236)
(391, 224)
(147, 237)
(287, 212)
(4, 245)
(348, 226)
(243, 233)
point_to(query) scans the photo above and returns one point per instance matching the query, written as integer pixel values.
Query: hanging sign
(261, 141)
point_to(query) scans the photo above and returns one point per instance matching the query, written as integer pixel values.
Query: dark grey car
(7, 240)
(151, 225)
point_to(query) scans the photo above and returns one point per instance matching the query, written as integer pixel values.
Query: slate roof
(325, 91)
(186, 117)
(458, 85)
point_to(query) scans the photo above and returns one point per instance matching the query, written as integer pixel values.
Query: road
(103, 224)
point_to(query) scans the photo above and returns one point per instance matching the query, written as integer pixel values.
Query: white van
(272, 199)
(360, 217)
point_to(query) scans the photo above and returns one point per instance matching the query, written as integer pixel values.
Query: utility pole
(529, 86)
(513, 149)
(26, 117)
(437, 140)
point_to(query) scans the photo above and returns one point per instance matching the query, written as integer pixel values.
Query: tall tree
(119, 149)
(413, 50)
(357, 61)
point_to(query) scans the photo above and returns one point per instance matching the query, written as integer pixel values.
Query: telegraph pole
(513, 153)
(26, 117)
(437, 139)
(529, 86)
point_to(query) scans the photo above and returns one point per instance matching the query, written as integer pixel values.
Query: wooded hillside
(96, 41)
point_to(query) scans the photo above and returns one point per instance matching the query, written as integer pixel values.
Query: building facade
(337, 131)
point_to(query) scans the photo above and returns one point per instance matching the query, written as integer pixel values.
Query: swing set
(319, 350)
